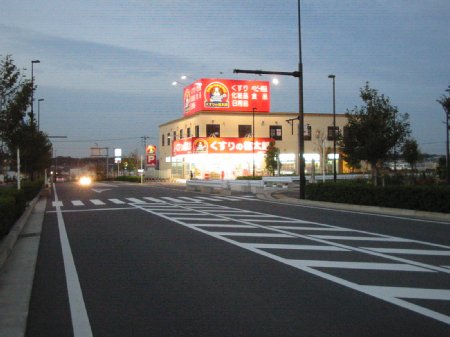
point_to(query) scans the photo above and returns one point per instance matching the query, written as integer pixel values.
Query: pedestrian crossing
(146, 200)
(389, 268)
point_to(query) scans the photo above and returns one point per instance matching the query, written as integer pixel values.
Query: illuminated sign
(211, 145)
(226, 96)
(150, 150)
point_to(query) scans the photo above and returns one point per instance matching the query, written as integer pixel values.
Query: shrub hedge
(432, 198)
(13, 203)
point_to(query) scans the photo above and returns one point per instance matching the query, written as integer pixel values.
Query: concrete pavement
(19, 251)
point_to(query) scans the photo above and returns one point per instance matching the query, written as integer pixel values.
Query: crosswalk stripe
(411, 251)
(357, 265)
(136, 201)
(153, 199)
(263, 235)
(296, 247)
(117, 201)
(172, 199)
(190, 199)
(97, 202)
(209, 198)
(77, 203)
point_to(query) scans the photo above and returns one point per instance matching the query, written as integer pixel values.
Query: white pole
(323, 160)
(18, 169)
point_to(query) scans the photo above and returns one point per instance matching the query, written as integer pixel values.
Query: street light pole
(301, 119)
(333, 77)
(253, 143)
(32, 89)
(39, 111)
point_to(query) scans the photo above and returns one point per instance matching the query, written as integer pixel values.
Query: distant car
(85, 181)
(60, 179)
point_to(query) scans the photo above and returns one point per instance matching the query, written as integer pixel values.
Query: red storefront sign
(197, 145)
(226, 96)
(151, 155)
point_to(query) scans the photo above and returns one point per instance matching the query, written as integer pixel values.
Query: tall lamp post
(32, 88)
(299, 75)
(333, 77)
(39, 111)
(253, 143)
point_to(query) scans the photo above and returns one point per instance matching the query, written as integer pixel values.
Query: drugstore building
(214, 138)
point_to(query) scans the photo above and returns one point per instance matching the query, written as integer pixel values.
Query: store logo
(217, 95)
(200, 146)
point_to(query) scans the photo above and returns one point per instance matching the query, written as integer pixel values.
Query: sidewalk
(19, 251)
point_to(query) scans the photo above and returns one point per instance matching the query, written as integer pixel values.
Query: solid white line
(416, 293)
(225, 226)
(80, 319)
(97, 202)
(430, 252)
(77, 203)
(57, 203)
(360, 238)
(357, 265)
(299, 247)
(199, 219)
(314, 228)
(262, 235)
(117, 201)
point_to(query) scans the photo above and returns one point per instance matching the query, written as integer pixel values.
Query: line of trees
(18, 129)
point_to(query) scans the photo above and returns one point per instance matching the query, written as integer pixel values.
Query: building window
(308, 132)
(168, 138)
(212, 130)
(245, 131)
(188, 132)
(330, 133)
(275, 132)
(174, 136)
(181, 134)
(197, 131)
(162, 140)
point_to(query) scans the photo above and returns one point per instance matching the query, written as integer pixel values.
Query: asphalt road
(127, 260)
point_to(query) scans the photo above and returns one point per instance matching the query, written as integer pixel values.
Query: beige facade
(283, 127)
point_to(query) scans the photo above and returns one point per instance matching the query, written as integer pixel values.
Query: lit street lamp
(39, 110)
(32, 88)
(333, 77)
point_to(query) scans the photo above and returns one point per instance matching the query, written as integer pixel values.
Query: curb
(433, 216)
(7, 243)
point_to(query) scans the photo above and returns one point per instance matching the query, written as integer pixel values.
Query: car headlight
(85, 181)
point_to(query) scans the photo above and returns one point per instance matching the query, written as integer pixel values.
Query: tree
(373, 130)
(445, 102)
(271, 158)
(16, 132)
(411, 153)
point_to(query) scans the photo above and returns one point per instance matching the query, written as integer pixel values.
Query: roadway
(128, 260)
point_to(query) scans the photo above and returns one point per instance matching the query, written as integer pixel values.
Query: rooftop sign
(226, 96)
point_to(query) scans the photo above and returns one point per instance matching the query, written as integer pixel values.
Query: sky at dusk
(107, 66)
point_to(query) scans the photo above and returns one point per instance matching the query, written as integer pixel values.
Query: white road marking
(117, 201)
(225, 226)
(97, 202)
(80, 320)
(360, 238)
(57, 203)
(136, 201)
(153, 199)
(77, 203)
(297, 247)
(357, 265)
(261, 235)
(431, 252)
(313, 228)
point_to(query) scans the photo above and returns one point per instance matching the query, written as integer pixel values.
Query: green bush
(431, 198)
(13, 203)
(7, 213)
(249, 178)
(131, 179)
